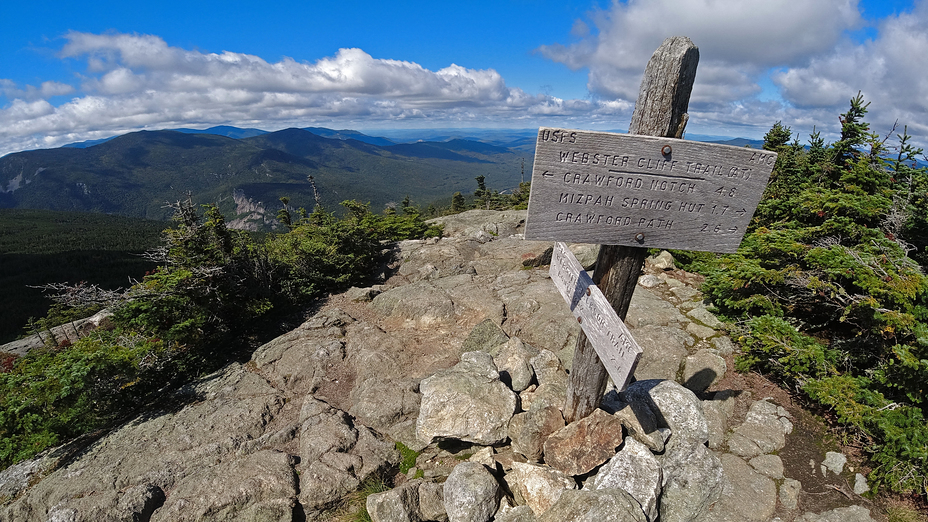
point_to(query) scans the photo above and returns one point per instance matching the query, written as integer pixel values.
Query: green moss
(407, 457)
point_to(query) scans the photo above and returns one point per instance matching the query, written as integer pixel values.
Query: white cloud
(890, 72)
(744, 37)
(139, 81)
(136, 81)
(30, 93)
(818, 67)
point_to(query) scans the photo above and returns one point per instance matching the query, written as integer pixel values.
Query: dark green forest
(38, 247)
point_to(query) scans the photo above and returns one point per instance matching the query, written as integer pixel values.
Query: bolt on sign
(642, 191)
(609, 336)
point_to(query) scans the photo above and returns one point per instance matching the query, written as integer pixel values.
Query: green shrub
(186, 318)
(829, 284)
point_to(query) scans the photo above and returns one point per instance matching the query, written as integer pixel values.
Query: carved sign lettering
(620, 189)
(607, 333)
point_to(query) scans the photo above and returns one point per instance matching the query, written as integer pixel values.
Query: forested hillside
(38, 247)
(135, 174)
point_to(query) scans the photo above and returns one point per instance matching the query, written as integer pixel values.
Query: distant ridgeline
(247, 171)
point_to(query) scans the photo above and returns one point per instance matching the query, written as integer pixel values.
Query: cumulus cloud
(746, 36)
(46, 90)
(802, 50)
(817, 67)
(137, 81)
(889, 71)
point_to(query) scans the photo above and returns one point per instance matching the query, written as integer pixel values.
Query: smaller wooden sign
(609, 336)
(641, 191)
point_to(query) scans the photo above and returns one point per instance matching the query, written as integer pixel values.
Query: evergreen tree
(457, 203)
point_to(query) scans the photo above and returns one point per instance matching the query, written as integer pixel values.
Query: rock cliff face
(462, 355)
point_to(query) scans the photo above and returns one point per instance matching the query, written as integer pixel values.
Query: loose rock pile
(461, 355)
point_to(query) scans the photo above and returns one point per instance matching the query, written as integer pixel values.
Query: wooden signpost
(611, 339)
(618, 189)
(642, 190)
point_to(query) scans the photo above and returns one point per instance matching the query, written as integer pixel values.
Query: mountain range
(246, 172)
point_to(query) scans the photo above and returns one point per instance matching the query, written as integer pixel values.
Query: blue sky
(71, 71)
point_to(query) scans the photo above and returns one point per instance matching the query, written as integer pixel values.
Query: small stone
(770, 465)
(702, 370)
(635, 470)
(748, 496)
(539, 486)
(705, 317)
(484, 456)
(542, 259)
(860, 484)
(674, 406)
(514, 364)
(789, 493)
(516, 514)
(487, 336)
(601, 505)
(397, 504)
(700, 331)
(466, 402)
(685, 293)
(364, 295)
(650, 281)
(548, 394)
(723, 345)
(585, 253)
(641, 424)
(662, 261)
(529, 430)
(548, 367)
(694, 479)
(761, 432)
(845, 514)
(834, 462)
(471, 493)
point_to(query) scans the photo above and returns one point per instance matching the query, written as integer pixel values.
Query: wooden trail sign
(620, 189)
(611, 339)
(661, 111)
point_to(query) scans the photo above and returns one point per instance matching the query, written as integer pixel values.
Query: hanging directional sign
(621, 189)
(609, 336)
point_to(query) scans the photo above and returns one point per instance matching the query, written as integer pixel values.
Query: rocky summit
(462, 354)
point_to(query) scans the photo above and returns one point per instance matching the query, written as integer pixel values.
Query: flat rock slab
(647, 308)
(845, 514)
(262, 486)
(585, 444)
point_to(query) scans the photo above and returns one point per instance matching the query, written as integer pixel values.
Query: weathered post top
(664, 96)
